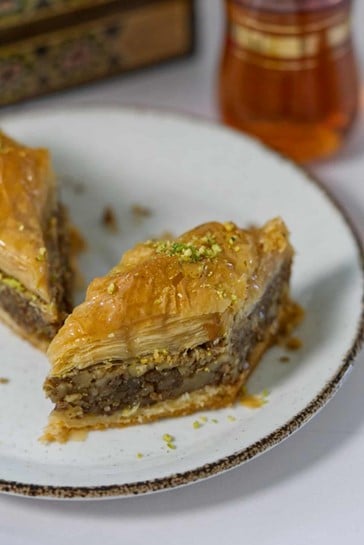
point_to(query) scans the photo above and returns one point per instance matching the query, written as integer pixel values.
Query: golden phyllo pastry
(35, 273)
(175, 327)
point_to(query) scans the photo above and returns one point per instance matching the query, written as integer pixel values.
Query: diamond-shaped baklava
(177, 326)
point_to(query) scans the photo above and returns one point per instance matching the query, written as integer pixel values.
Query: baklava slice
(35, 271)
(177, 326)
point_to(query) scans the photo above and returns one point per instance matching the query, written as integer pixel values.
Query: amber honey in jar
(288, 74)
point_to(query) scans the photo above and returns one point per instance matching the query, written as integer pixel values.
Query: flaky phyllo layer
(172, 322)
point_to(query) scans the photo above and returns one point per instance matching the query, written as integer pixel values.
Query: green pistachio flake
(111, 288)
(13, 284)
(190, 252)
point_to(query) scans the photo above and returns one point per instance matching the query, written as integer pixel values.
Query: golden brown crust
(169, 296)
(27, 198)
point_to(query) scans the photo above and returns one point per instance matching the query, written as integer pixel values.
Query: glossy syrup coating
(27, 198)
(170, 295)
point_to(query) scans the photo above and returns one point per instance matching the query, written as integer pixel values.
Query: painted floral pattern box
(48, 45)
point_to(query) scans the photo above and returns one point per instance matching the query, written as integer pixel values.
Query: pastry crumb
(77, 242)
(4, 380)
(76, 186)
(109, 220)
(253, 401)
(293, 343)
(140, 212)
(284, 359)
(166, 235)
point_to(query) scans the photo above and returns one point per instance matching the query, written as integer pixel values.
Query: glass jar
(288, 74)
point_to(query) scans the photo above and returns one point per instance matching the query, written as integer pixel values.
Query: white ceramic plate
(186, 172)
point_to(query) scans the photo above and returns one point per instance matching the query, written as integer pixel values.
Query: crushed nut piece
(4, 380)
(41, 254)
(111, 288)
(140, 212)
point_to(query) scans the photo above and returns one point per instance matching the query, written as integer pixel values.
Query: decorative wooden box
(47, 45)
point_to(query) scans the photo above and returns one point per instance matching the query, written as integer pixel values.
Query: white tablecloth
(308, 490)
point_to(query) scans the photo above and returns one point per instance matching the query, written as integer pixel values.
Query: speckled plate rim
(262, 445)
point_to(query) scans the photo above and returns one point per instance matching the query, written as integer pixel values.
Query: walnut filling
(29, 311)
(109, 386)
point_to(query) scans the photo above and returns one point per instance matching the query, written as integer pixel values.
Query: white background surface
(308, 490)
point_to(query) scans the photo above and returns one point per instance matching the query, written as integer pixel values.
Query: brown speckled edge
(257, 448)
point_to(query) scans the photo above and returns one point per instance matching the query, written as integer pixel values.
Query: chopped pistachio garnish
(203, 418)
(216, 248)
(196, 424)
(214, 420)
(190, 252)
(233, 298)
(111, 288)
(13, 284)
(139, 455)
(41, 254)
(167, 438)
(265, 392)
(171, 446)
(231, 418)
